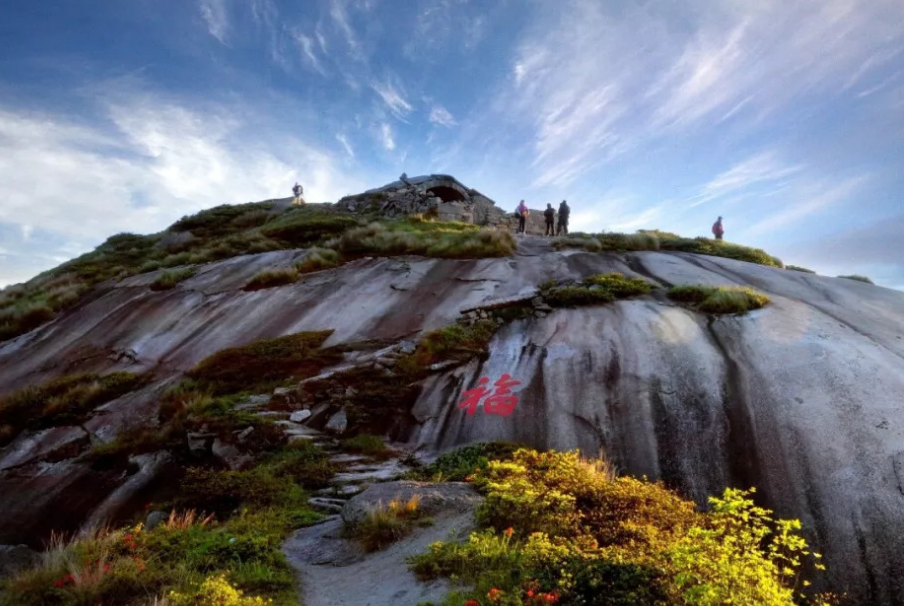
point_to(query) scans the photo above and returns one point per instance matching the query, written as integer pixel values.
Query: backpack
(718, 229)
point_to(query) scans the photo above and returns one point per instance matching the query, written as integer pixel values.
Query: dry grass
(272, 278)
(388, 524)
(318, 259)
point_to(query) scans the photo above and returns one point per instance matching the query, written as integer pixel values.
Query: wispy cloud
(814, 199)
(440, 116)
(393, 98)
(215, 15)
(341, 138)
(743, 177)
(339, 14)
(306, 45)
(386, 137)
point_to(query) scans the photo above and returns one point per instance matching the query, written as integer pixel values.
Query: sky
(786, 117)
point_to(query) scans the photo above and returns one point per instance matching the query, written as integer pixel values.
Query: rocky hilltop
(800, 398)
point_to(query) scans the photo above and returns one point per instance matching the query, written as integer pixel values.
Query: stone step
(346, 490)
(348, 458)
(332, 505)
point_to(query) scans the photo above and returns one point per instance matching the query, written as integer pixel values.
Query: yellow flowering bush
(215, 591)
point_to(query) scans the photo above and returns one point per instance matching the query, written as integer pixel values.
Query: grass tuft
(857, 278)
(168, 279)
(594, 290)
(318, 259)
(272, 278)
(368, 444)
(426, 238)
(719, 299)
(801, 269)
(385, 525)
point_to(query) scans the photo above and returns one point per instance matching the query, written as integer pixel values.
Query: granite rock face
(801, 399)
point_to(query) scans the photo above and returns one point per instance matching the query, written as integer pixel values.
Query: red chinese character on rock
(472, 397)
(503, 401)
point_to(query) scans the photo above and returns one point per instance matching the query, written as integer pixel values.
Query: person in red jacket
(718, 230)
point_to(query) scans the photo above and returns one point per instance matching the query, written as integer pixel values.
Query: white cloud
(440, 116)
(163, 161)
(339, 13)
(214, 14)
(763, 168)
(386, 137)
(393, 98)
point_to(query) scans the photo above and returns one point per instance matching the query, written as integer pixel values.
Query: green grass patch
(857, 278)
(559, 529)
(426, 238)
(63, 401)
(168, 279)
(594, 290)
(456, 342)
(801, 269)
(262, 365)
(272, 278)
(719, 299)
(305, 226)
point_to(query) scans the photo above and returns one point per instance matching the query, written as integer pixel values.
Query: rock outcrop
(801, 398)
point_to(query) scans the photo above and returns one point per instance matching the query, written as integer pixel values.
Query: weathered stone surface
(299, 416)
(338, 423)
(800, 398)
(15, 558)
(433, 498)
(155, 519)
(54, 444)
(230, 455)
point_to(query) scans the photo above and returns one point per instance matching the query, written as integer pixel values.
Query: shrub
(222, 219)
(306, 463)
(597, 289)
(317, 259)
(385, 525)
(802, 269)
(456, 342)
(272, 278)
(575, 534)
(462, 463)
(719, 299)
(858, 279)
(264, 364)
(64, 401)
(222, 492)
(169, 279)
(215, 591)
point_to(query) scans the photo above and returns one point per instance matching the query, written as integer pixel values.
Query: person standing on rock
(550, 214)
(564, 211)
(523, 212)
(718, 230)
(298, 190)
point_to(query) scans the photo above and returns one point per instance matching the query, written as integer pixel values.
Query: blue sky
(785, 117)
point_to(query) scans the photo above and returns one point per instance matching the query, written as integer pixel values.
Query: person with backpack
(718, 230)
(550, 215)
(298, 190)
(522, 213)
(564, 211)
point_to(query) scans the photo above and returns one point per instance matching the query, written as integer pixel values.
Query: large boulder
(433, 498)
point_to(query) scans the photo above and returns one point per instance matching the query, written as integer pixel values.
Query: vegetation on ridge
(661, 240)
(558, 529)
(857, 278)
(596, 289)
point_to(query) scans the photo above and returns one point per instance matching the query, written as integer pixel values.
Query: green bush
(801, 269)
(456, 342)
(224, 219)
(168, 279)
(264, 364)
(858, 279)
(222, 492)
(272, 278)
(719, 299)
(461, 464)
(597, 289)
